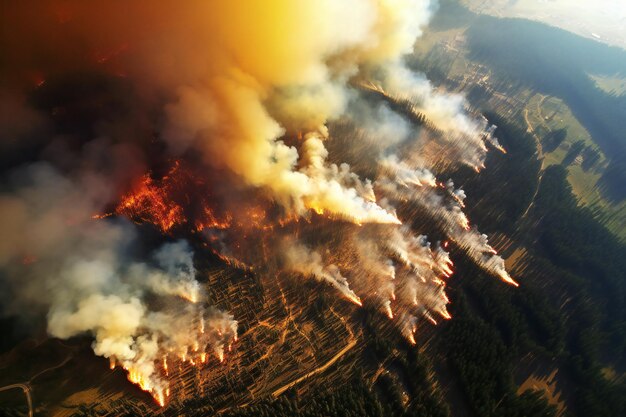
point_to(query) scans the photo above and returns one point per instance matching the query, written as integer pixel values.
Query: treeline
(551, 60)
(592, 264)
(495, 324)
(570, 310)
(404, 388)
(355, 399)
(484, 363)
(573, 259)
(500, 194)
(576, 242)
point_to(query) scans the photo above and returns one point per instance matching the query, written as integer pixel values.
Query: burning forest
(288, 137)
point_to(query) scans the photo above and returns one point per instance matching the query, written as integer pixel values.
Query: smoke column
(292, 124)
(78, 272)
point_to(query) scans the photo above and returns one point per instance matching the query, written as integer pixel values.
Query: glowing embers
(208, 220)
(198, 341)
(151, 202)
(175, 200)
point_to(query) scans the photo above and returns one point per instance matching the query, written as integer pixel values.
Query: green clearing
(610, 84)
(548, 114)
(430, 39)
(446, 50)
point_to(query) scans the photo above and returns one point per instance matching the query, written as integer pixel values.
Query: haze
(604, 20)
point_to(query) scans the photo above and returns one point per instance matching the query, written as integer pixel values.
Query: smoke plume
(289, 133)
(79, 273)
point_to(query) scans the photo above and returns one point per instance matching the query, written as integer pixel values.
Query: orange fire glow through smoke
(150, 202)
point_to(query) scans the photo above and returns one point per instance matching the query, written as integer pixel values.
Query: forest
(558, 63)
(572, 256)
(569, 313)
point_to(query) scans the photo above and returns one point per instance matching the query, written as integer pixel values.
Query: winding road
(26, 389)
(353, 341)
(26, 385)
(316, 370)
(540, 155)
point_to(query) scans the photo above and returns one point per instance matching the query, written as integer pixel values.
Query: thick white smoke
(60, 260)
(299, 258)
(311, 124)
(444, 204)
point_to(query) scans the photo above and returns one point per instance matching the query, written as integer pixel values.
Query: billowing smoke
(301, 259)
(292, 135)
(81, 273)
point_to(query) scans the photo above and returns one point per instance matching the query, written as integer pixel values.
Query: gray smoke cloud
(314, 139)
(78, 271)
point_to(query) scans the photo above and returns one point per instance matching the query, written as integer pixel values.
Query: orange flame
(150, 202)
(355, 299)
(210, 222)
(506, 278)
(389, 311)
(160, 202)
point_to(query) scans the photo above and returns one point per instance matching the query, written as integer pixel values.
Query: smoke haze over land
(288, 134)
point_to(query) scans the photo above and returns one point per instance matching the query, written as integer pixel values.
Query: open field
(548, 114)
(444, 53)
(548, 385)
(610, 84)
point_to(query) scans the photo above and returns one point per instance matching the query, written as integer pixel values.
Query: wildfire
(158, 388)
(446, 268)
(355, 299)
(458, 200)
(317, 209)
(191, 296)
(159, 398)
(154, 373)
(507, 278)
(389, 311)
(150, 202)
(209, 221)
(137, 377)
(242, 185)
(430, 317)
(164, 202)
(464, 222)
